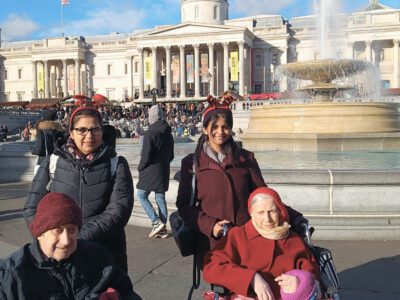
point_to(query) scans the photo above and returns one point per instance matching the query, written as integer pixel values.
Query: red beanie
(275, 197)
(79, 110)
(54, 210)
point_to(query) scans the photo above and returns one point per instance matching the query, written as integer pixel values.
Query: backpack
(53, 164)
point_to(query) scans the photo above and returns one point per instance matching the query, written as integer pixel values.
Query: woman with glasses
(85, 167)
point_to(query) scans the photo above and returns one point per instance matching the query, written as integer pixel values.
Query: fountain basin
(324, 126)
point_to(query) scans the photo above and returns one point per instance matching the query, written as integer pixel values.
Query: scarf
(217, 156)
(276, 233)
(73, 150)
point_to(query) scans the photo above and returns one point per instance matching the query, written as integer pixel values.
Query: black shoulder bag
(184, 236)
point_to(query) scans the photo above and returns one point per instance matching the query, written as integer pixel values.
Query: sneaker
(159, 226)
(163, 234)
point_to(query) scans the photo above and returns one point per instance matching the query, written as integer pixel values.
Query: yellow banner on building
(148, 76)
(234, 58)
(40, 79)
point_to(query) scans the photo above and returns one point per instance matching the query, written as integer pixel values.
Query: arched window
(215, 12)
(196, 12)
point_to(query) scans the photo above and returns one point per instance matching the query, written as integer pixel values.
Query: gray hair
(260, 197)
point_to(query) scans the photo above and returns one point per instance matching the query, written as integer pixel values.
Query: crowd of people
(82, 197)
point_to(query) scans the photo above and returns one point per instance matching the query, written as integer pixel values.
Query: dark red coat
(222, 192)
(236, 259)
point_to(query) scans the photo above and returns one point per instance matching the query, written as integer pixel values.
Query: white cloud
(258, 7)
(17, 27)
(102, 21)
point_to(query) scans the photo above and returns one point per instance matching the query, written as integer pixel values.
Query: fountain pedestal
(324, 126)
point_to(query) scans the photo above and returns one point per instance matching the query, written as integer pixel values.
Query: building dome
(204, 11)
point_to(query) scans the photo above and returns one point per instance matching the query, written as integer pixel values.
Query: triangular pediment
(190, 28)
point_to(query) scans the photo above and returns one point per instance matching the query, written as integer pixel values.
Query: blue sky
(37, 19)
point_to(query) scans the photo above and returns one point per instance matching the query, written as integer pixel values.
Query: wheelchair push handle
(308, 231)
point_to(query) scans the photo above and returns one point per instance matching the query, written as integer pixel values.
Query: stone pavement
(367, 270)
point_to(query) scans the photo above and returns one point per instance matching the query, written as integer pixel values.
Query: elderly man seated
(263, 259)
(59, 266)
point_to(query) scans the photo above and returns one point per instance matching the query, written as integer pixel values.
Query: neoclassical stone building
(206, 53)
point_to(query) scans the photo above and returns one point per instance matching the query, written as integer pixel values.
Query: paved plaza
(367, 270)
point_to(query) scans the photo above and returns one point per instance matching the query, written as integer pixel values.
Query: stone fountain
(323, 123)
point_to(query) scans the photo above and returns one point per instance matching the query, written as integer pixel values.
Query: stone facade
(124, 66)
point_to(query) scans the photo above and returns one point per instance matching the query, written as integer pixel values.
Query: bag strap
(45, 142)
(52, 169)
(193, 192)
(196, 270)
(114, 164)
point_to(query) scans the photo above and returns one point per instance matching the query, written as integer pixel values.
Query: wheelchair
(329, 280)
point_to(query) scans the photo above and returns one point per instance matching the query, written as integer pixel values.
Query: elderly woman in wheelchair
(264, 259)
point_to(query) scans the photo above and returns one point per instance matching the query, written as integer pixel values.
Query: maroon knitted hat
(275, 196)
(79, 111)
(306, 288)
(54, 210)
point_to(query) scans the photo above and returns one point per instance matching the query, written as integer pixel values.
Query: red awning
(265, 96)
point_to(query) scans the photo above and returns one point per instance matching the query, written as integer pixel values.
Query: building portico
(200, 72)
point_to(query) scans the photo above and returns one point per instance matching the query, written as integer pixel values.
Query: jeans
(149, 209)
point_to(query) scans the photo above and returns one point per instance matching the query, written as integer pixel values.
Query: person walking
(154, 169)
(85, 167)
(225, 177)
(4, 130)
(46, 132)
(56, 265)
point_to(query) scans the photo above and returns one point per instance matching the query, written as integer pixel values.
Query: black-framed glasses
(84, 130)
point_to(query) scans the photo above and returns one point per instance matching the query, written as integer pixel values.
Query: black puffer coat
(106, 201)
(89, 271)
(157, 153)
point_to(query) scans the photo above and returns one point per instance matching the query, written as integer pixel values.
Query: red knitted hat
(306, 288)
(275, 196)
(54, 210)
(79, 110)
(216, 106)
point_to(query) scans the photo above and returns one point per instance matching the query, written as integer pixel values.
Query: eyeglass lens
(84, 130)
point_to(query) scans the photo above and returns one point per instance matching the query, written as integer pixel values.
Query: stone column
(196, 71)
(226, 66)
(154, 66)
(182, 71)
(130, 82)
(241, 68)
(267, 69)
(368, 56)
(77, 77)
(211, 67)
(350, 50)
(58, 80)
(65, 77)
(168, 71)
(141, 73)
(396, 64)
(34, 75)
(46, 80)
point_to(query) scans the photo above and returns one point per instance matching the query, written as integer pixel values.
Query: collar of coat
(206, 162)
